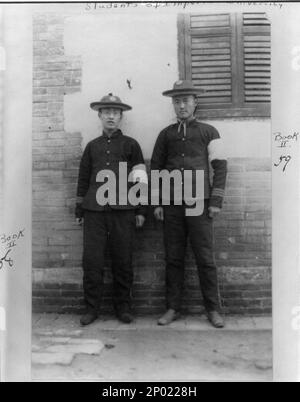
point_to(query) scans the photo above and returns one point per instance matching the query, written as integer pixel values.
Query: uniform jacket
(104, 153)
(193, 146)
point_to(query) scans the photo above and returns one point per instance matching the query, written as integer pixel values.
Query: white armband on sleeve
(216, 150)
(139, 174)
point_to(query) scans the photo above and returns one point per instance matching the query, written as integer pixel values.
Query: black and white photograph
(142, 159)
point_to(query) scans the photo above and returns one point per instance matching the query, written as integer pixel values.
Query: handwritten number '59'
(283, 158)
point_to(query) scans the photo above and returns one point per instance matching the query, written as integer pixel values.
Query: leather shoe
(125, 316)
(88, 318)
(170, 316)
(215, 319)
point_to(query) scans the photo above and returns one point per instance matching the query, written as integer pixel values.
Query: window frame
(238, 108)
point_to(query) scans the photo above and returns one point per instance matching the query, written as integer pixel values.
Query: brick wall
(242, 233)
(56, 153)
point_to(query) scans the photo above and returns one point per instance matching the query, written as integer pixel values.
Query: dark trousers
(199, 229)
(115, 228)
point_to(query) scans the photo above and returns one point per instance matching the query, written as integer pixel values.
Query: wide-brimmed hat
(183, 87)
(110, 101)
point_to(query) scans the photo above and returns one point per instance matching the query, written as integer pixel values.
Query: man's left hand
(214, 212)
(140, 220)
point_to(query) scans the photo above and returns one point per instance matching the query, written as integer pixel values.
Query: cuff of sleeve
(216, 201)
(79, 199)
(79, 211)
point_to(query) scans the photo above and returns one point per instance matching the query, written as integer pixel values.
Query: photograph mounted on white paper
(105, 276)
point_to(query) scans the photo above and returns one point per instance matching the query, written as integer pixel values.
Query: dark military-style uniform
(103, 223)
(191, 146)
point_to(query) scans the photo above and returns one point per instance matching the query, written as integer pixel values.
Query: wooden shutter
(228, 55)
(211, 57)
(257, 58)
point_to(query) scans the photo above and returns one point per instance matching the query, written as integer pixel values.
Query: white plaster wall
(142, 48)
(114, 49)
(245, 138)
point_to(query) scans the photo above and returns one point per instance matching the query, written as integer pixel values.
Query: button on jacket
(106, 153)
(193, 146)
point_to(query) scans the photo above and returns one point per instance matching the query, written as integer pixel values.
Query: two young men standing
(186, 145)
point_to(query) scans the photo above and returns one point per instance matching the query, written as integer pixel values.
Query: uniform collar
(187, 122)
(116, 134)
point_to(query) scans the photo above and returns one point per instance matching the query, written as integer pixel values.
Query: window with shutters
(229, 56)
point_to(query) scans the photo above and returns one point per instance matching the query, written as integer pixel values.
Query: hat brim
(179, 92)
(102, 105)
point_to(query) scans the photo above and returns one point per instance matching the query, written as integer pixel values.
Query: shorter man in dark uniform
(190, 145)
(112, 222)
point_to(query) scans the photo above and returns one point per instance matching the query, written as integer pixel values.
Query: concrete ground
(189, 349)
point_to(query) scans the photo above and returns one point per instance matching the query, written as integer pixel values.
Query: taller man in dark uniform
(107, 218)
(190, 145)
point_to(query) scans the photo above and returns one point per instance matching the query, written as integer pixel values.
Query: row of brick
(155, 306)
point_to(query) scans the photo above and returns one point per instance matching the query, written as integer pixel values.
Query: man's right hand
(79, 213)
(159, 214)
(79, 221)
